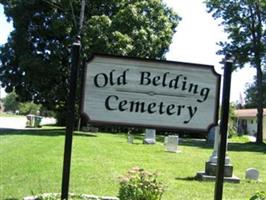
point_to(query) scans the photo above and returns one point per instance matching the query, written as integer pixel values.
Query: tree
(245, 23)
(35, 60)
(251, 93)
(231, 120)
(10, 102)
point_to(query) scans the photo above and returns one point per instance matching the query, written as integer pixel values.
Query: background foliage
(35, 60)
(251, 93)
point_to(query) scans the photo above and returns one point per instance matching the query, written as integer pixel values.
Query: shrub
(29, 108)
(138, 184)
(10, 102)
(259, 196)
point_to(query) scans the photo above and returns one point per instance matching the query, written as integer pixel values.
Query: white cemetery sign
(149, 93)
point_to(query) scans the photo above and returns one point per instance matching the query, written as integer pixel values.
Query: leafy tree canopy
(35, 60)
(245, 23)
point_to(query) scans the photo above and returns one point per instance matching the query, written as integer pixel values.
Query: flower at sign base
(140, 184)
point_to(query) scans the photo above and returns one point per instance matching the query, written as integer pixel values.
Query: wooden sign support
(223, 130)
(70, 118)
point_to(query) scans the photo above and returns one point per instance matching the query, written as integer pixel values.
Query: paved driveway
(13, 122)
(20, 122)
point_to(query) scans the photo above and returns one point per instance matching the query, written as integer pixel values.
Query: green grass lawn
(31, 163)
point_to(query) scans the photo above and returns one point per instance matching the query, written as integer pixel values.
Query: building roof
(248, 112)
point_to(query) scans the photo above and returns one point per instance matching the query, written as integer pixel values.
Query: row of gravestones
(170, 142)
(171, 145)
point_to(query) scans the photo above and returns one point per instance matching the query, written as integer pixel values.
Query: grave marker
(150, 136)
(252, 174)
(171, 144)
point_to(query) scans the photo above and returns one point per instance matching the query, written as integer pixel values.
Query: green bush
(10, 102)
(259, 196)
(138, 184)
(29, 108)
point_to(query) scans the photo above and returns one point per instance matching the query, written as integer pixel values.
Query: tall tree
(251, 92)
(245, 23)
(35, 59)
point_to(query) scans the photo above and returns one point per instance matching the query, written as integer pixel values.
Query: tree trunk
(259, 139)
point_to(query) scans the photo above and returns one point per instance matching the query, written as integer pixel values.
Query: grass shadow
(201, 143)
(32, 132)
(232, 146)
(85, 134)
(44, 132)
(189, 178)
(11, 198)
(248, 146)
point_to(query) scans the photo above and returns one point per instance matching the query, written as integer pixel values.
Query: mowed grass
(31, 163)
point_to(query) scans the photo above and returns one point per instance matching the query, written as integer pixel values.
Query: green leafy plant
(29, 108)
(139, 184)
(259, 196)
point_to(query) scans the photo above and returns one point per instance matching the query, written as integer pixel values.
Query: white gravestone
(165, 140)
(214, 156)
(130, 137)
(252, 174)
(150, 136)
(172, 143)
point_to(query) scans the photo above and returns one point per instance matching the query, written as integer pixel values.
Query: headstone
(130, 138)
(172, 143)
(214, 157)
(211, 165)
(150, 136)
(165, 140)
(89, 128)
(252, 174)
(211, 136)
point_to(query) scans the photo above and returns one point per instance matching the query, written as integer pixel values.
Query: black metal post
(70, 118)
(223, 130)
(81, 89)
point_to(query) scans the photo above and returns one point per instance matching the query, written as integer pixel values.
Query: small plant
(138, 184)
(259, 196)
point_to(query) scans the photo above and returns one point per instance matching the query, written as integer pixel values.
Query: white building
(246, 121)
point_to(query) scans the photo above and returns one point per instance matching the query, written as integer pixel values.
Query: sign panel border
(159, 127)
